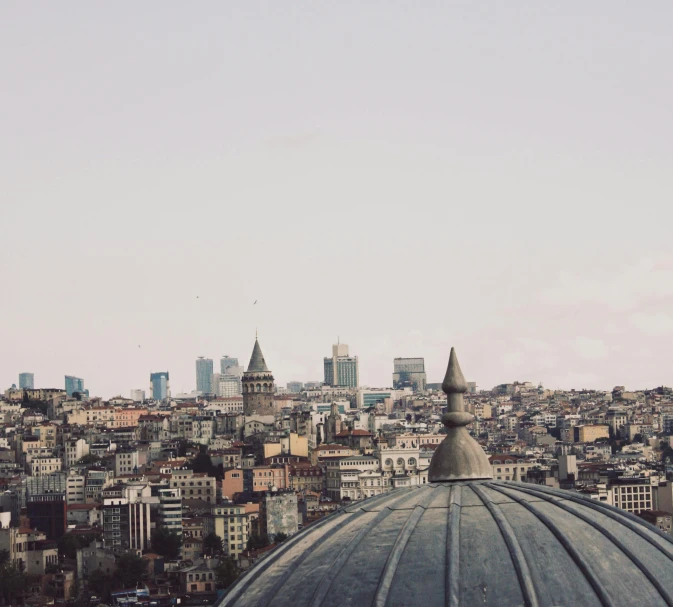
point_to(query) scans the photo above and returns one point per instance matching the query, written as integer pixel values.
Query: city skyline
(495, 179)
(432, 378)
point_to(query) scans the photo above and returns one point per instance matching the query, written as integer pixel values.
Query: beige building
(74, 489)
(28, 549)
(40, 466)
(343, 476)
(293, 444)
(73, 451)
(231, 523)
(590, 433)
(194, 485)
(509, 467)
(324, 453)
(266, 477)
(635, 496)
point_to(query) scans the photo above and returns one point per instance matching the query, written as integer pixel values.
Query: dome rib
(389, 569)
(518, 558)
(623, 517)
(452, 576)
(579, 559)
(246, 580)
(328, 578)
(612, 537)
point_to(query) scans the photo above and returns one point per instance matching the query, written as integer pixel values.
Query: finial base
(459, 458)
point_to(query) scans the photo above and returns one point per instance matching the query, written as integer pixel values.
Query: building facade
(258, 385)
(409, 372)
(159, 386)
(27, 380)
(204, 373)
(73, 384)
(341, 369)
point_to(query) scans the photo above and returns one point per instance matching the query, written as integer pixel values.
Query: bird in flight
(255, 302)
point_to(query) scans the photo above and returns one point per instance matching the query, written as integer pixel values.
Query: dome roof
(483, 542)
(465, 539)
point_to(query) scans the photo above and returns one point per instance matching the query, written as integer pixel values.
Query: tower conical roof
(257, 363)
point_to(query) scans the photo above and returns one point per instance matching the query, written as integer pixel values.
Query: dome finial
(454, 381)
(459, 456)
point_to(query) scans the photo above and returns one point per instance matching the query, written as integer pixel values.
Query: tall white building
(170, 510)
(74, 450)
(138, 396)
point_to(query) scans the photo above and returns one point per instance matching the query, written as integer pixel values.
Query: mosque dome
(466, 539)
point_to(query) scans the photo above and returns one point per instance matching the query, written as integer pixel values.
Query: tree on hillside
(166, 543)
(68, 544)
(13, 581)
(255, 542)
(212, 544)
(87, 459)
(279, 538)
(130, 569)
(227, 572)
(101, 584)
(202, 463)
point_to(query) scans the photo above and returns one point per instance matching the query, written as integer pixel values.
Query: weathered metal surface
(466, 543)
(458, 456)
(465, 540)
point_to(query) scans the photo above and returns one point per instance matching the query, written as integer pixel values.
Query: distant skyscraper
(138, 396)
(204, 374)
(159, 386)
(409, 372)
(341, 369)
(226, 362)
(295, 387)
(74, 384)
(26, 380)
(226, 385)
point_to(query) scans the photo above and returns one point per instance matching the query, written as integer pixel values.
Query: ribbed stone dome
(483, 542)
(465, 539)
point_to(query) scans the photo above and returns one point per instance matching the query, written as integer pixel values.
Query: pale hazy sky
(410, 176)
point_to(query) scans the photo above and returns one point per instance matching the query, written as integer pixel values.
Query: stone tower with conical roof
(258, 386)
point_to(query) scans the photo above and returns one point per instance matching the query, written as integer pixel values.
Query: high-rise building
(126, 516)
(27, 380)
(342, 369)
(47, 512)
(295, 387)
(204, 373)
(226, 362)
(159, 386)
(226, 385)
(258, 385)
(409, 373)
(138, 396)
(170, 510)
(74, 384)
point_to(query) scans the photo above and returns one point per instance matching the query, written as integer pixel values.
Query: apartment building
(194, 485)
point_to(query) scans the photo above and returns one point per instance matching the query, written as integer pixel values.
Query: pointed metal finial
(459, 456)
(454, 381)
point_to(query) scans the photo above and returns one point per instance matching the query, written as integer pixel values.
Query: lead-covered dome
(467, 541)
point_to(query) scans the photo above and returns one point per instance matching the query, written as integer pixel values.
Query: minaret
(258, 386)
